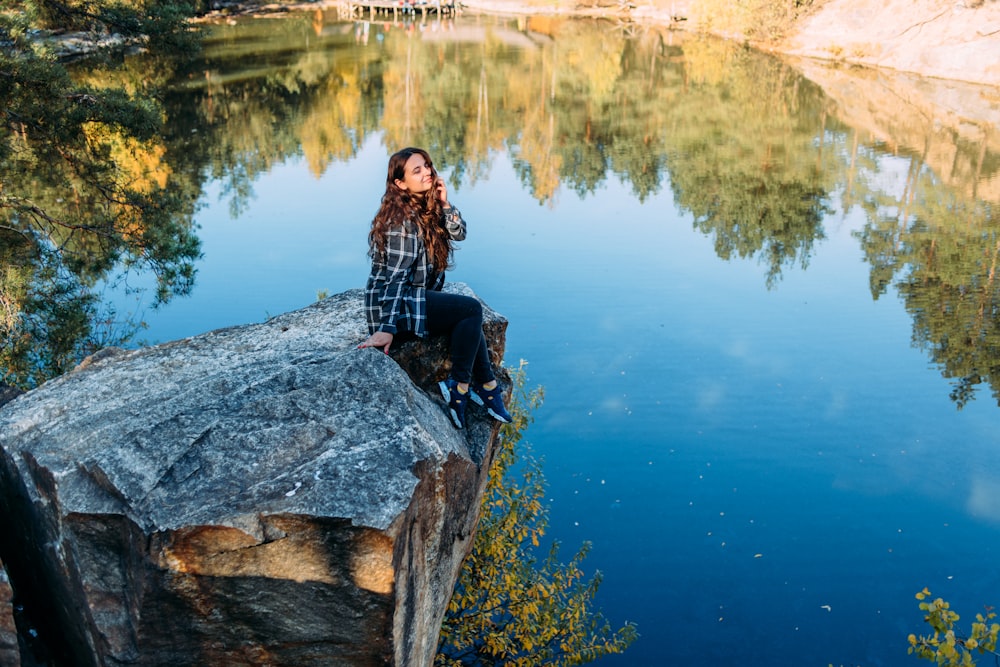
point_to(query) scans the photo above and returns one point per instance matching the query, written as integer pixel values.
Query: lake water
(749, 297)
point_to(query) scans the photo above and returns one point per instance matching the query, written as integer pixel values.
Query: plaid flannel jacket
(395, 293)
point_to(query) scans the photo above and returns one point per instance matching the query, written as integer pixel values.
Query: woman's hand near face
(378, 339)
(442, 191)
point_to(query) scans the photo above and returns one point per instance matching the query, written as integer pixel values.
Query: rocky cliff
(260, 495)
(947, 39)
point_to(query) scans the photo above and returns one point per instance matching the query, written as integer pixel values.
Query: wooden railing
(400, 7)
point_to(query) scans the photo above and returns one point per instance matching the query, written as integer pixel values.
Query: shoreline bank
(940, 39)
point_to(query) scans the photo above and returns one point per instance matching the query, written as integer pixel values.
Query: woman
(410, 244)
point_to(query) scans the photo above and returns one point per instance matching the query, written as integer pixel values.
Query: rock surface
(259, 495)
(9, 653)
(948, 39)
(9, 650)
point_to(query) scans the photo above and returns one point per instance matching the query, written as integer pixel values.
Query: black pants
(461, 317)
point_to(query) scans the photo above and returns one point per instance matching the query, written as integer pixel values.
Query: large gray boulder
(259, 495)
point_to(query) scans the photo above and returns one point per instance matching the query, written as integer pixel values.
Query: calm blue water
(767, 476)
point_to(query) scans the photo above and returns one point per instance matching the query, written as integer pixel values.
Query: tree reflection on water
(758, 154)
(87, 192)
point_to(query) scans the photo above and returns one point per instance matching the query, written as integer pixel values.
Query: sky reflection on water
(767, 476)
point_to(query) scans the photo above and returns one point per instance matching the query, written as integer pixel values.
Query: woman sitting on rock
(410, 244)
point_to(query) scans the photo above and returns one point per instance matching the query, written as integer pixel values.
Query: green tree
(509, 607)
(944, 645)
(84, 190)
(161, 21)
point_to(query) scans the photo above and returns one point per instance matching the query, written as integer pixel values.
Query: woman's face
(417, 175)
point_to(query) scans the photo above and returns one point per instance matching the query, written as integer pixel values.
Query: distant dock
(400, 7)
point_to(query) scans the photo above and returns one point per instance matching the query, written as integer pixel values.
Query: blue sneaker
(492, 400)
(456, 401)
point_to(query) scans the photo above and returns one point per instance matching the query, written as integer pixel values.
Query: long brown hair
(424, 209)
